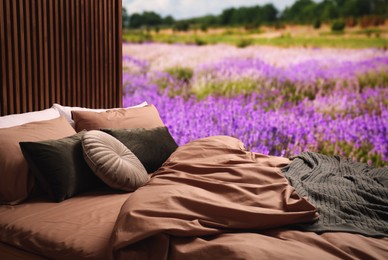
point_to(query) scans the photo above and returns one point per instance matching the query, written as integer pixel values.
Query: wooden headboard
(60, 51)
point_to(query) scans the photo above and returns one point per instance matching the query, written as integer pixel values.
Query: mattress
(78, 228)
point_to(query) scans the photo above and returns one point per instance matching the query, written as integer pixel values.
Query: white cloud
(181, 9)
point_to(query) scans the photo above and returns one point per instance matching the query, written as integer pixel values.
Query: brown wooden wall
(63, 51)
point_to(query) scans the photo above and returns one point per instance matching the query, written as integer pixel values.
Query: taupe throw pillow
(112, 162)
(139, 117)
(15, 180)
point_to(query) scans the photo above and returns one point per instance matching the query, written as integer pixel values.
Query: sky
(182, 9)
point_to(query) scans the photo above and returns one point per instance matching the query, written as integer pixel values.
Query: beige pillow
(112, 162)
(15, 182)
(66, 110)
(24, 118)
(140, 117)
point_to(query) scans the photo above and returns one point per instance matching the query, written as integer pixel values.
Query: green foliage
(225, 88)
(125, 18)
(338, 26)
(244, 42)
(348, 150)
(199, 41)
(204, 27)
(302, 11)
(317, 24)
(147, 19)
(137, 36)
(183, 74)
(248, 16)
(373, 79)
(182, 26)
(365, 12)
(232, 36)
(306, 11)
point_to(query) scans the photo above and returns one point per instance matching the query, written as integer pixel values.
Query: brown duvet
(211, 199)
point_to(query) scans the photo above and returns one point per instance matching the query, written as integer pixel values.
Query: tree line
(352, 12)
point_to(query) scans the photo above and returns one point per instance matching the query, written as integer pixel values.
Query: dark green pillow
(59, 166)
(151, 146)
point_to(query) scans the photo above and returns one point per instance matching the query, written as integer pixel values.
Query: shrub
(181, 26)
(204, 27)
(338, 26)
(244, 42)
(317, 24)
(199, 41)
(183, 74)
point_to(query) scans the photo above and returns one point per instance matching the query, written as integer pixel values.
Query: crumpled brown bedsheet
(211, 188)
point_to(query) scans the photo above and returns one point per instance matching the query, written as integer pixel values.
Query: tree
(329, 11)
(298, 11)
(269, 13)
(356, 8)
(135, 20)
(168, 20)
(182, 26)
(125, 18)
(151, 18)
(148, 19)
(227, 15)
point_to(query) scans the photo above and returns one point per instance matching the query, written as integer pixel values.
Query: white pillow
(113, 162)
(24, 118)
(66, 110)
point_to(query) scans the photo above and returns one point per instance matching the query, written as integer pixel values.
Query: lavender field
(278, 101)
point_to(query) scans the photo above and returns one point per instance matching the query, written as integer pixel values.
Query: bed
(209, 198)
(111, 183)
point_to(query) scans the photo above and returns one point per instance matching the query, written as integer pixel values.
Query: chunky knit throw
(350, 196)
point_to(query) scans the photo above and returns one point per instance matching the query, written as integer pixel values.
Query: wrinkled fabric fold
(207, 187)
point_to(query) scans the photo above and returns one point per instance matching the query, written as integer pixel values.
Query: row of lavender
(277, 101)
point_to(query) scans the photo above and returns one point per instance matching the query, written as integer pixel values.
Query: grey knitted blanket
(350, 196)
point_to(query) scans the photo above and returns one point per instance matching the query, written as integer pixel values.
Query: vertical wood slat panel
(15, 52)
(119, 52)
(92, 62)
(67, 19)
(34, 47)
(9, 70)
(72, 50)
(22, 64)
(3, 67)
(28, 54)
(82, 55)
(39, 99)
(59, 51)
(98, 47)
(58, 57)
(100, 52)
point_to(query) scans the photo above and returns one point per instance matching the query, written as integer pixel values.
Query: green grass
(245, 39)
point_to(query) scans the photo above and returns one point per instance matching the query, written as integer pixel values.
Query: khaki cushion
(66, 110)
(112, 162)
(140, 117)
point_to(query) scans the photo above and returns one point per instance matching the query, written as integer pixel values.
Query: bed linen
(77, 228)
(211, 199)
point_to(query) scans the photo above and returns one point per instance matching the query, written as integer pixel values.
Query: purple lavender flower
(340, 106)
